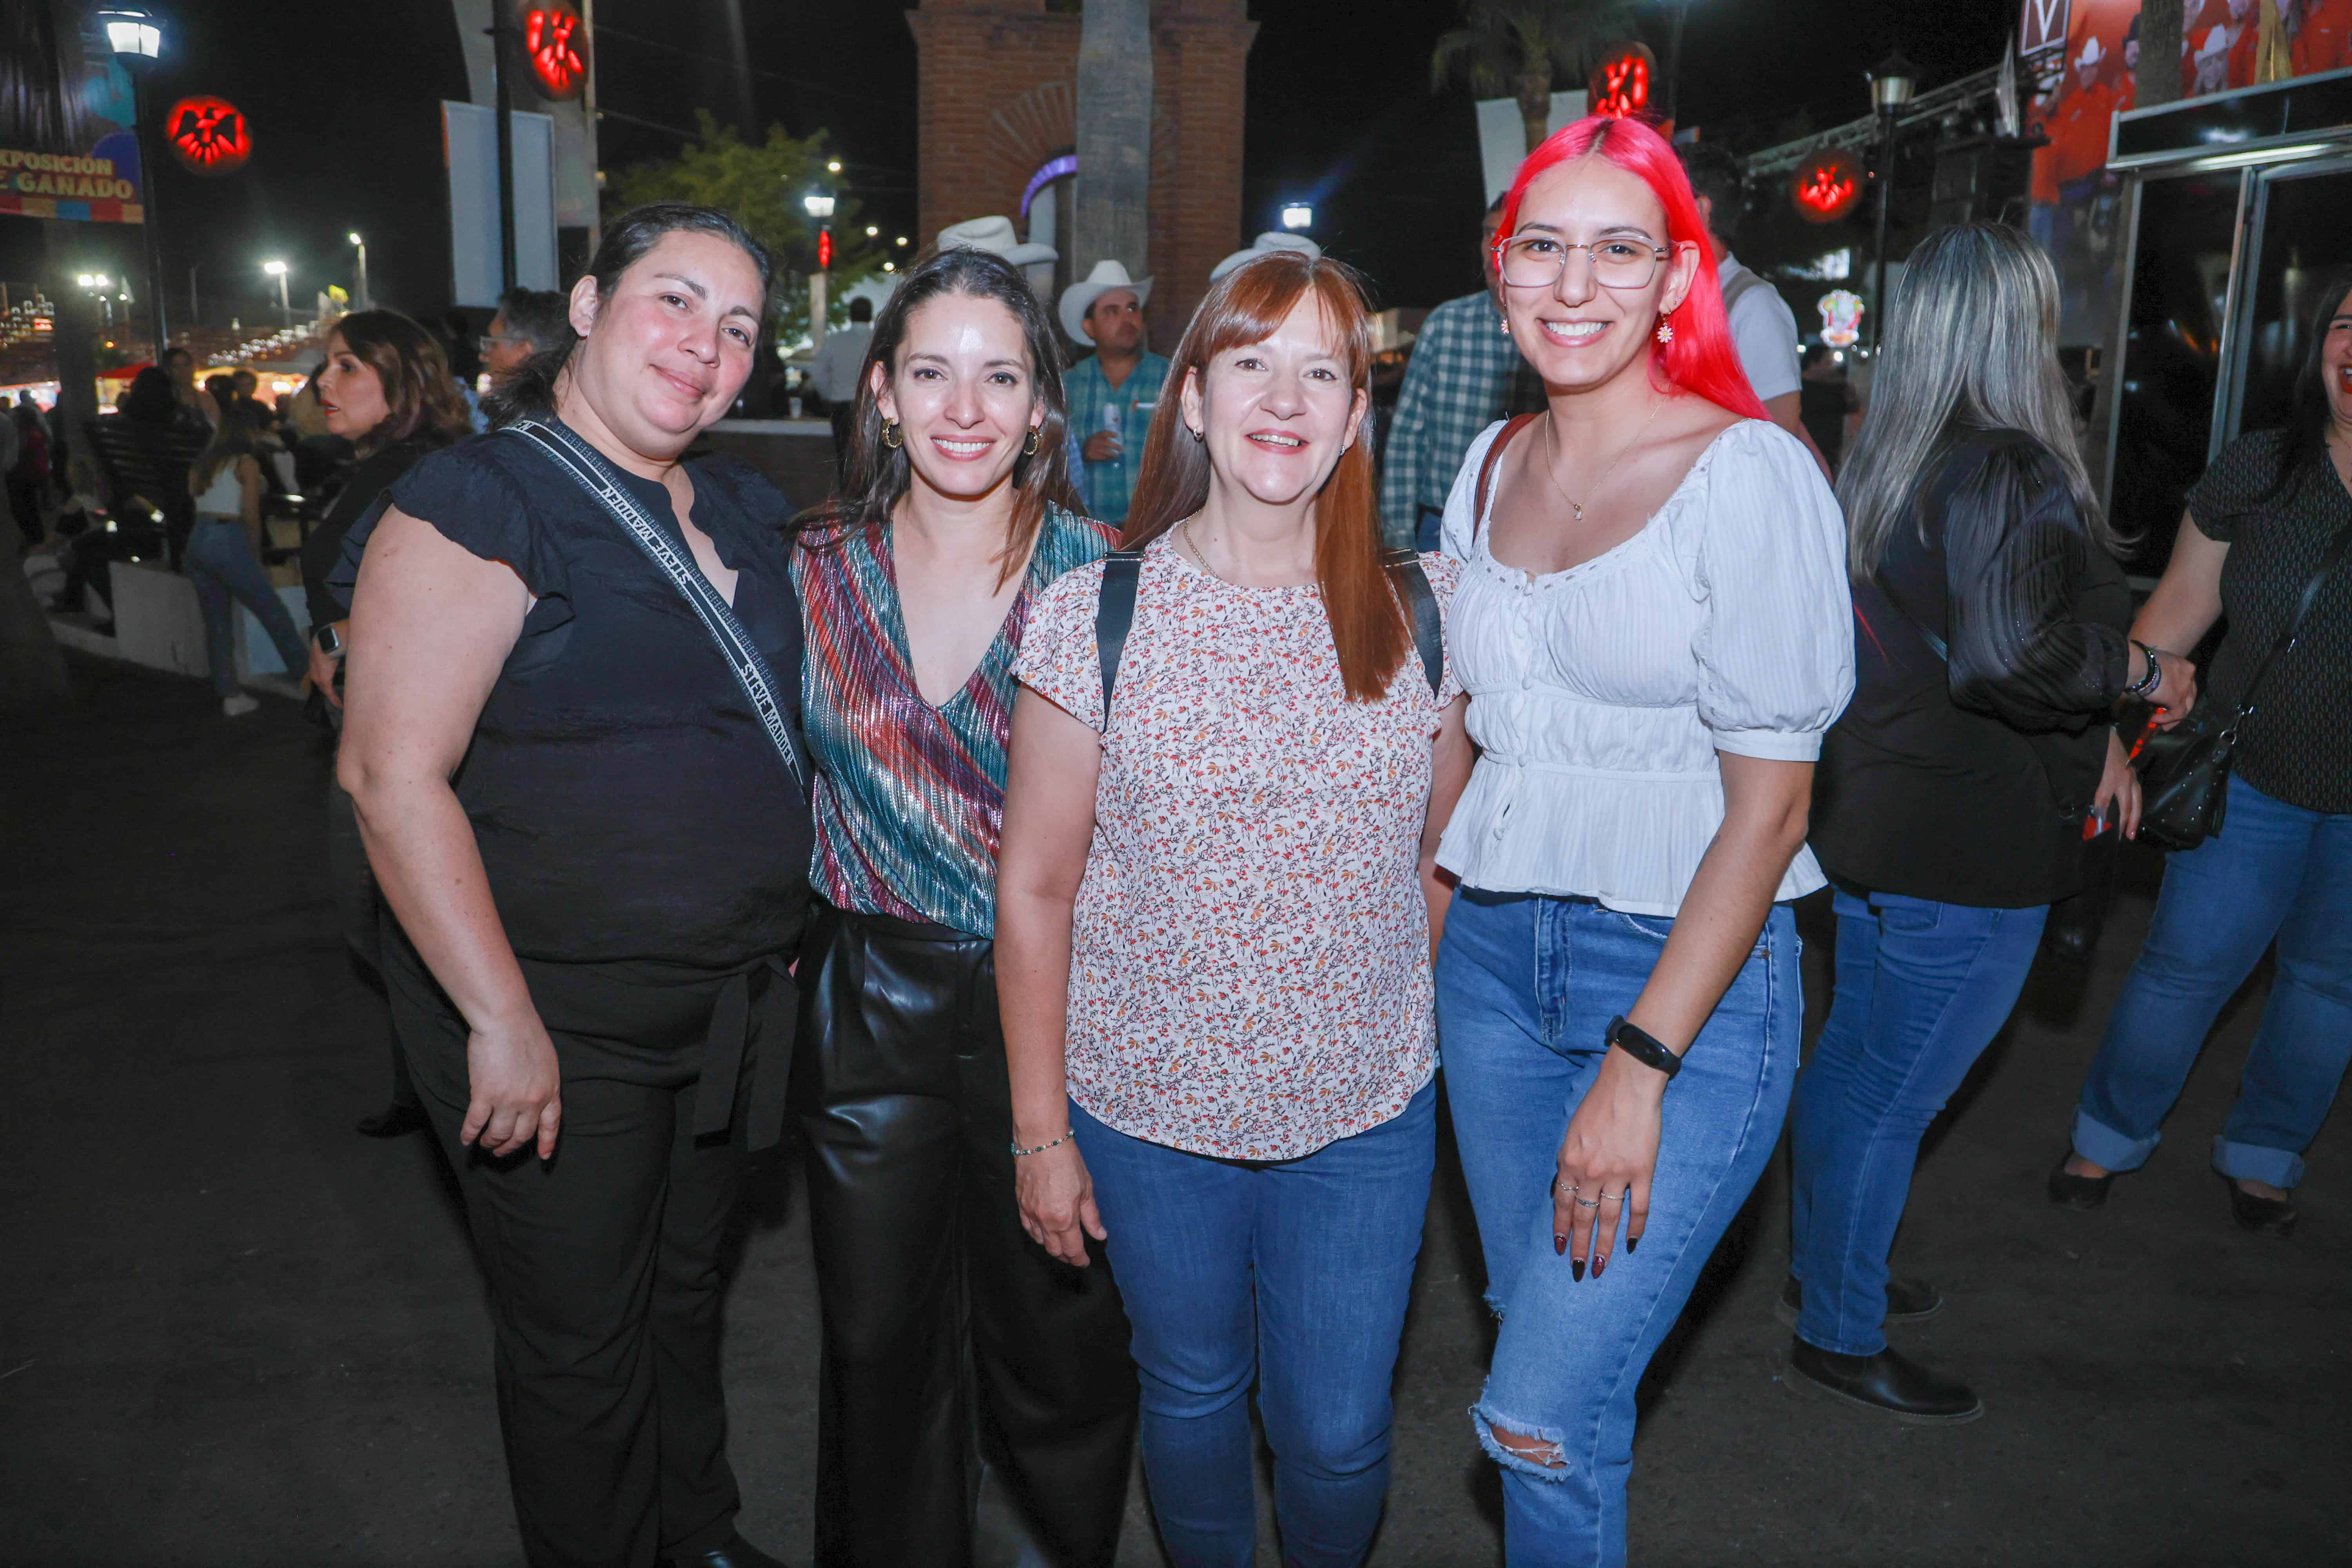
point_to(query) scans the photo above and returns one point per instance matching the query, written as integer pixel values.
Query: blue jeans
(1922, 988)
(222, 567)
(2275, 871)
(1525, 986)
(1295, 1271)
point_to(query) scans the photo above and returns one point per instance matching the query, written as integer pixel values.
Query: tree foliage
(762, 185)
(1520, 49)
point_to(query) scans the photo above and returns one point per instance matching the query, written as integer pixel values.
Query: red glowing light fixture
(209, 135)
(1620, 88)
(554, 41)
(823, 248)
(1826, 188)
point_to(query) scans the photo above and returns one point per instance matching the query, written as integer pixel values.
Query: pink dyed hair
(1702, 358)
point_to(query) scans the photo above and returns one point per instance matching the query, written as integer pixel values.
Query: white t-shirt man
(834, 369)
(1764, 330)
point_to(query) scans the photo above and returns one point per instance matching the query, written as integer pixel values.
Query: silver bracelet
(1018, 1150)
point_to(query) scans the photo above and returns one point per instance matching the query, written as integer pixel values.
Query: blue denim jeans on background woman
(221, 564)
(1922, 988)
(1297, 1272)
(1525, 986)
(2274, 870)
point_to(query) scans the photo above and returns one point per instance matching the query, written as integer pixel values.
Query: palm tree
(1114, 124)
(1518, 48)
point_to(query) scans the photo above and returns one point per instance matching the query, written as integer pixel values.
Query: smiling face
(1576, 332)
(963, 393)
(1276, 414)
(351, 392)
(664, 354)
(2335, 365)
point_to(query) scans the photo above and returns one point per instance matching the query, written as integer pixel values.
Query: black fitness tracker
(1642, 1046)
(330, 641)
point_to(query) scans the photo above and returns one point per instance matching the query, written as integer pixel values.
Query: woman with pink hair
(1655, 628)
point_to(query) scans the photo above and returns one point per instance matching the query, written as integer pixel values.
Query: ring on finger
(1584, 1204)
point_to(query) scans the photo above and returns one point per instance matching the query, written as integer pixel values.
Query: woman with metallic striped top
(941, 1318)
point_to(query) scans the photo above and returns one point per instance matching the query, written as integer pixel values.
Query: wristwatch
(329, 640)
(1642, 1046)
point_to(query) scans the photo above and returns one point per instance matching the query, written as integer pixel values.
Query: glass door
(2301, 240)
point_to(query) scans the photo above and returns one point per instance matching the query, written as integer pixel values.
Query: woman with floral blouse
(1217, 903)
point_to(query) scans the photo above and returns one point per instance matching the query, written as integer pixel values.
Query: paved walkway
(232, 1333)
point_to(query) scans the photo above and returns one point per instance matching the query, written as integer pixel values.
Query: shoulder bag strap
(1420, 600)
(1487, 469)
(586, 468)
(1114, 616)
(2292, 634)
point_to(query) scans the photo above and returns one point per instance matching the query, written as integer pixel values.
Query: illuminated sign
(1840, 317)
(823, 248)
(554, 41)
(1620, 88)
(209, 135)
(1825, 188)
(2043, 26)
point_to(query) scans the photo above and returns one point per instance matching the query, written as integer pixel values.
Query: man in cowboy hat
(1111, 394)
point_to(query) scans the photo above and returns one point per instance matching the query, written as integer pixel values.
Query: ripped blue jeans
(1525, 985)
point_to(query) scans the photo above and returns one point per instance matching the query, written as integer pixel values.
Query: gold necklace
(1656, 407)
(1184, 539)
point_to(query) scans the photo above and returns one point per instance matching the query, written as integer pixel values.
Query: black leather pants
(977, 1405)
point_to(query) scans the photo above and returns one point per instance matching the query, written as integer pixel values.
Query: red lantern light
(1826, 187)
(823, 248)
(209, 135)
(1620, 88)
(554, 41)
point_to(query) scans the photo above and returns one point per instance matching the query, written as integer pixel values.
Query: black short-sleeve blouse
(628, 802)
(2295, 746)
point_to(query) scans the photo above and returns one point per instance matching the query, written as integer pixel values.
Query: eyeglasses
(1537, 261)
(490, 345)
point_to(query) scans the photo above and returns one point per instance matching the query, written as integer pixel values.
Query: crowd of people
(1087, 826)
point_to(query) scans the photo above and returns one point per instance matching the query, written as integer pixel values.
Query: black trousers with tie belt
(976, 1405)
(603, 1263)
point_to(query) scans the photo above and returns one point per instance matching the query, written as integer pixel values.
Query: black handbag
(2184, 771)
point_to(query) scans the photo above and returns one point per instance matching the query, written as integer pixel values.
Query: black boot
(1907, 1302)
(1889, 1382)
(737, 1552)
(2069, 1190)
(2260, 1215)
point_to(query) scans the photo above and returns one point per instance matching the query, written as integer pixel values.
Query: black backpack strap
(1420, 602)
(1114, 616)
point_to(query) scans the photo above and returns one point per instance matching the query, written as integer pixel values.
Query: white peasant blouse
(1601, 695)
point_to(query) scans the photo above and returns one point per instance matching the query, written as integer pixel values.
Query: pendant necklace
(1549, 459)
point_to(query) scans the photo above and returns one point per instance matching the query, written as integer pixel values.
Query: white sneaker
(238, 706)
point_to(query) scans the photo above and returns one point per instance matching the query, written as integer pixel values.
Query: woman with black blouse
(1948, 811)
(572, 739)
(2264, 522)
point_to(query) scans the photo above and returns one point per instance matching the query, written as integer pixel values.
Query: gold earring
(890, 434)
(1029, 447)
(1666, 331)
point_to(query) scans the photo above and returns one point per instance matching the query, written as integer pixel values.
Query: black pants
(603, 1263)
(977, 1405)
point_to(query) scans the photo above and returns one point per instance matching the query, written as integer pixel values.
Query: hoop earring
(1666, 331)
(1029, 447)
(890, 434)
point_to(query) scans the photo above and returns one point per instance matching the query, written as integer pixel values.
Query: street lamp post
(285, 311)
(136, 36)
(820, 207)
(362, 297)
(1674, 63)
(1890, 88)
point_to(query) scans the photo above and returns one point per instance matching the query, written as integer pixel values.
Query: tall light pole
(820, 207)
(135, 34)
(362, 297)
(1674, 63)
(284, 311)
(1891, 82)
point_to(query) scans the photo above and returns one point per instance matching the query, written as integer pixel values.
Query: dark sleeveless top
(628, 803)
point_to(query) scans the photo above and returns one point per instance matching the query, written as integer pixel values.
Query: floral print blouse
(1249, 974)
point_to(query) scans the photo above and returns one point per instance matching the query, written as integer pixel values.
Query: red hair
(1702, 358)
(1248, 305)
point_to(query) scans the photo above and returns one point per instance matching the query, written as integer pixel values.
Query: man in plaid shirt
(1465, 373)
(1111, 396)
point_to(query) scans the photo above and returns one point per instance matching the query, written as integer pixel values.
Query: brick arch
(1023, 133)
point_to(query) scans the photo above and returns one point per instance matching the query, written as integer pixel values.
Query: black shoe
(2261, 1216)
(1888, 1383)
(2069, 1190)
(393, 1122)
(737, 1552)
(1907, 1302)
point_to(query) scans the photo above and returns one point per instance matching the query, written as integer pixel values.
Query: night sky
(342, 97)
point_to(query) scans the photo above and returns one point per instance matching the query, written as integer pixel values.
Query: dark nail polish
(1600, 1262)
(1559, 1245)
(1576, 1267)
(1632, 1242)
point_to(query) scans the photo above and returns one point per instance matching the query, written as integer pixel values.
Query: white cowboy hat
(1079, 297)
(995, 235)
(1265, 244)
(2217, 42)
(2092, 53)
